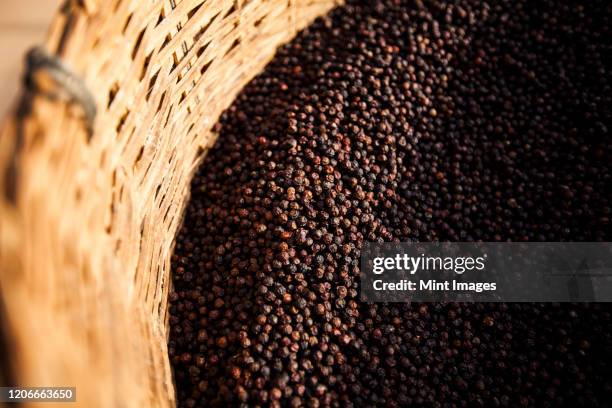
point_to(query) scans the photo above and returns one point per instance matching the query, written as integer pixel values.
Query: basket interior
(87, 232)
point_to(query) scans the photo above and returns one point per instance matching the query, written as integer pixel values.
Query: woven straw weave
(86, 234)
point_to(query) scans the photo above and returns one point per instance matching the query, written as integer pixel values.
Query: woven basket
(89, 208)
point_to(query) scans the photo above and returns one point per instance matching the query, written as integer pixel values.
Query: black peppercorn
(390, 120)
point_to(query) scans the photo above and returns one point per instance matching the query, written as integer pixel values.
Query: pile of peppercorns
(399, 121)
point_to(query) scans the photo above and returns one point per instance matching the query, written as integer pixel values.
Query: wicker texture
(85, 243)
